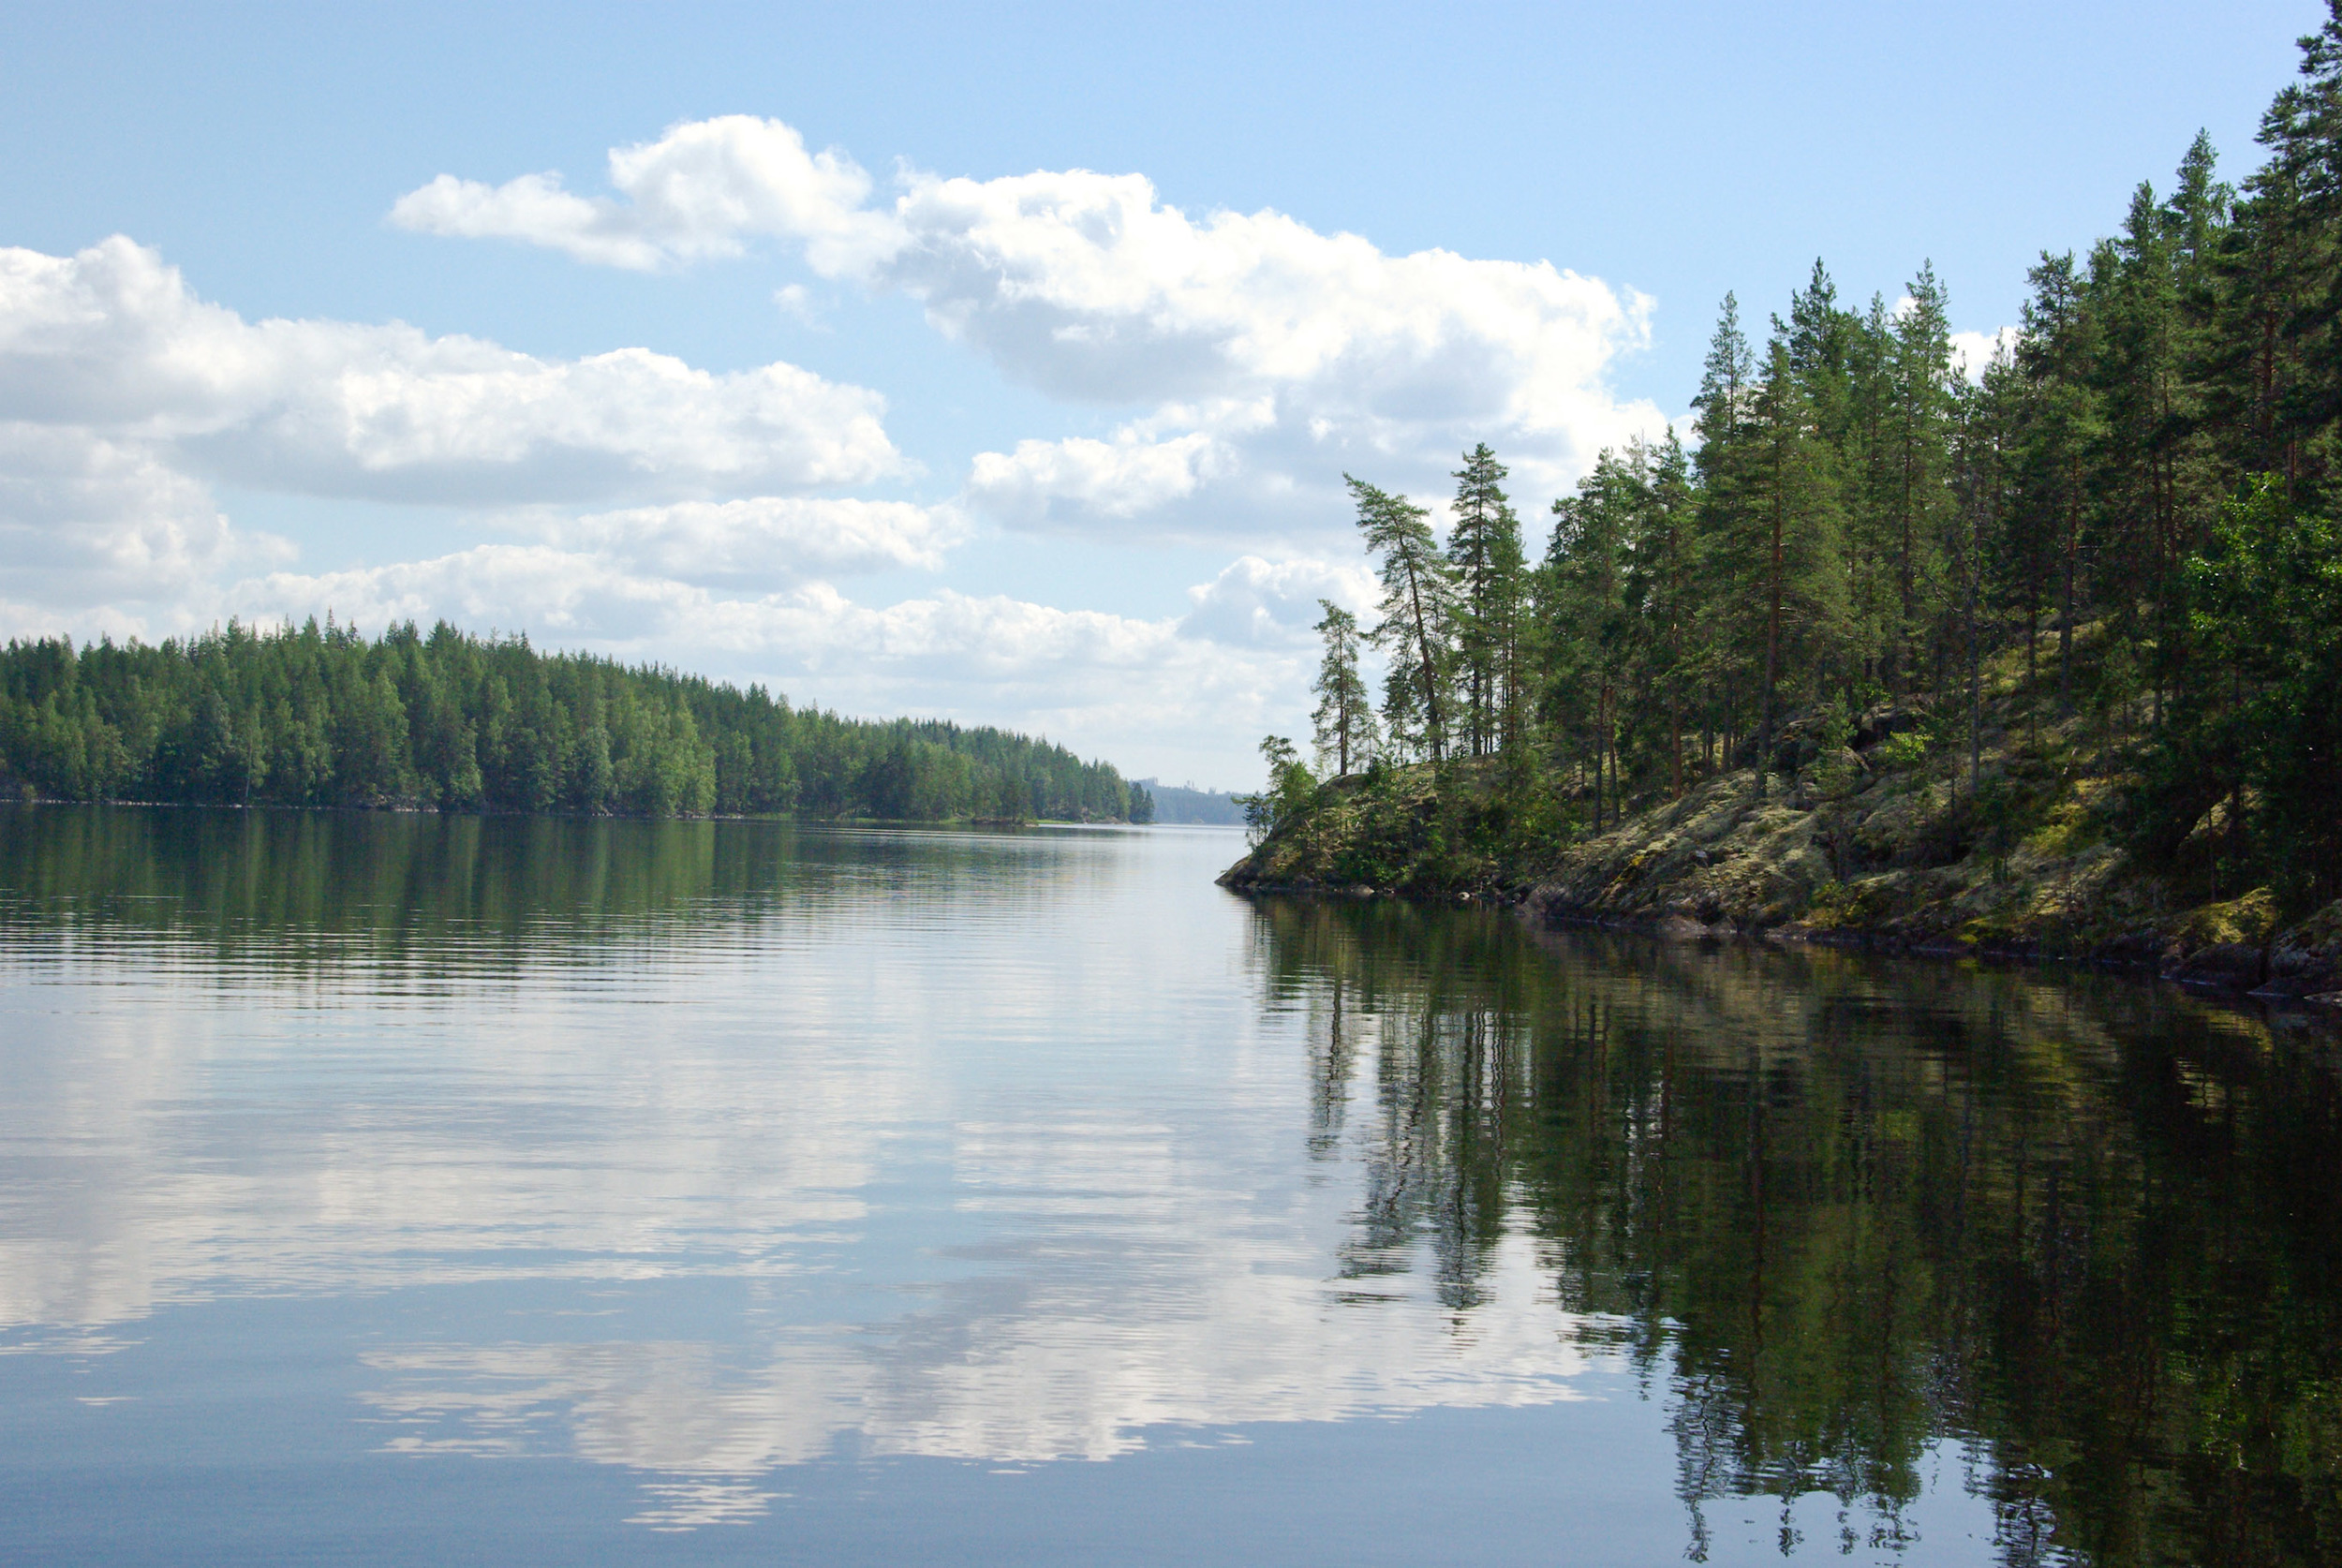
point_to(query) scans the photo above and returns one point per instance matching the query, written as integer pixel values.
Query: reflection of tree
(2085, 1232)
(1330, 1069)
(279, 881)
(291, 889)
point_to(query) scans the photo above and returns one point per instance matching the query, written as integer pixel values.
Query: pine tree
(1983, 464)
(2303, 131)
(1865, 451)
(1345, 712)
(1732, 619)
(1485, 555)
(2056, 356)
(1588, 625)
(1727, 379)
(1919, 432)
(1663, 590)
(1793, 496)
(1419, 613)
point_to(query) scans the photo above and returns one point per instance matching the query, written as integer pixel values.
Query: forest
(2131, 504)
(314, 716)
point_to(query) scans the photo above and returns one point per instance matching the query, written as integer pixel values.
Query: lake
(421, 1190)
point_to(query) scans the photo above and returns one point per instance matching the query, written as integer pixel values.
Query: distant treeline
(321, 716)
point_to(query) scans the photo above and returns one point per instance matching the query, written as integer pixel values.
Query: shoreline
(1899, 863)
(2325, 1007)
(411, 809)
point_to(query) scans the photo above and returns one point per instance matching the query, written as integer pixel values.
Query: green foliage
(314, 716)
(1863, 523)
(1419, 613)
(1906, 749)
(2260, 748)
(1344, 720)
(1290, 790)
(1484, 553)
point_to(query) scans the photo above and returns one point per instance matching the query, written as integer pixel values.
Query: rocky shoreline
(1891, 861)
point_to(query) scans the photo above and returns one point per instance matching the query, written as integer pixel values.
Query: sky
(1000, 363)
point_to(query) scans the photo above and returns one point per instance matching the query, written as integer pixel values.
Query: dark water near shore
(416, 1190)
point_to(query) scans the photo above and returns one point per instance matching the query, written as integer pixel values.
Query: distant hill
(1176, 802)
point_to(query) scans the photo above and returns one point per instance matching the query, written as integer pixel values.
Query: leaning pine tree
(1419, 613)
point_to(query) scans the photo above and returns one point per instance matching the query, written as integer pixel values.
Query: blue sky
(906, 364)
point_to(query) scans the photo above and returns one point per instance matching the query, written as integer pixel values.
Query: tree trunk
(1430, 670)
(1772, 651)
(1975, 679)
(1601, 700)
(2066, 610)
(1675, 748)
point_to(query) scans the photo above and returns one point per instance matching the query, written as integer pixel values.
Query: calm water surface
(405, 1190)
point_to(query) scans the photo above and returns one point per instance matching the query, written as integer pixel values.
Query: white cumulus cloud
(647, 581)
(1971, 353)
(1120, 478)
(125, 398)
(1268, 355)
(1272, 604)
(767, 540)
(113, 341)
(87, 522)
(564, 597)
(695, 192)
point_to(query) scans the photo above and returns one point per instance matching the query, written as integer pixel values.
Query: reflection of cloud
(1132, 1286)
(651, 1101)
(437, 1188)
(1069, 1358)
(688, 1504)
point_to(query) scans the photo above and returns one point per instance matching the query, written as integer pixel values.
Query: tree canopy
(2131, 495)
(322, 715)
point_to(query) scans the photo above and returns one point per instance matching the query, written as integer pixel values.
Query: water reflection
(1844, 1212)
(719, 1151)
(289, 892)
(726, 1147)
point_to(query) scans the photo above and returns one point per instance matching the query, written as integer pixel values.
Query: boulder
(2307, 958)
(2225, 965)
